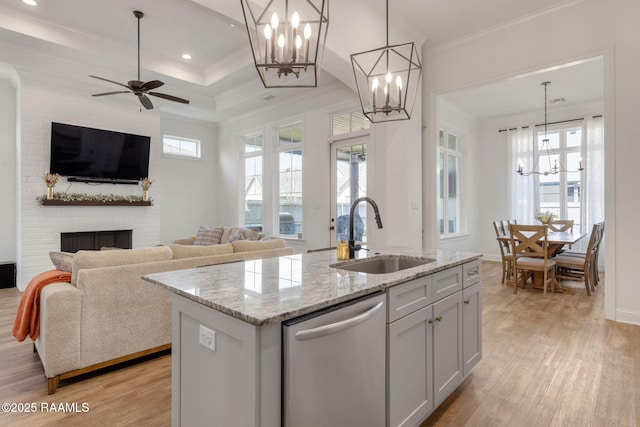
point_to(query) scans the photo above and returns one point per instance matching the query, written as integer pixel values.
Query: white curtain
(593, 185)
(523, 195)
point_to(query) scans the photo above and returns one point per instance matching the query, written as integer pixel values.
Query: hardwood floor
(549, 360)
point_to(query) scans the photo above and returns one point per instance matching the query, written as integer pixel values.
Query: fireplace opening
(95, 240)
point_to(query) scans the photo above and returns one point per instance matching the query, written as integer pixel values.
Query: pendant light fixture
(387, 79)
(551, 160)
(287, 38)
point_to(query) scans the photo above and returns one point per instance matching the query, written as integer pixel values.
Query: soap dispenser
(343, 250)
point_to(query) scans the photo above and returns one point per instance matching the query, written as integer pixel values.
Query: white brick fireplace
(39, 227)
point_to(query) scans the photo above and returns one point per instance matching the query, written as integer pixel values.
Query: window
(178, 146)
(449, 211)
(348, 122)
(253, 188)
(289, 179)
(562, 193)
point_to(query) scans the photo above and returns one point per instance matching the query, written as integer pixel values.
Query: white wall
(39, 227)
(8, 108)
(189, 184)
(583, 30)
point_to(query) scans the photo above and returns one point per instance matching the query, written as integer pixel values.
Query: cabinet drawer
(446, 283)
(408, 297)
(471, 273)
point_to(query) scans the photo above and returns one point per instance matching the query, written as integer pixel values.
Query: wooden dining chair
(581, 267)
(502, 231)
(529, 247)
(561, 225)
(598, 229)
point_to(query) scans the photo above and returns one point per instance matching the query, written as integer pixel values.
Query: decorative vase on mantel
(145, 183)
(51, 179)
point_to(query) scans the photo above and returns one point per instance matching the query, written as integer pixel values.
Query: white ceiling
(70, 39)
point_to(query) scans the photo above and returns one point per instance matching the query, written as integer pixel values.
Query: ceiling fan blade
(110, 81)
(169, 97)
(110, 93)
(153, 84)
(145, 101)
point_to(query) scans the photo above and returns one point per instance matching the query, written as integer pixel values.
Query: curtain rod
(551, 123)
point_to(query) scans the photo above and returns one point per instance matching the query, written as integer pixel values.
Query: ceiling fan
(137, 87)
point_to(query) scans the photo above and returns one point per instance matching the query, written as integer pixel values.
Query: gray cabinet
(409, 368)
(434, 338)
(447, 346)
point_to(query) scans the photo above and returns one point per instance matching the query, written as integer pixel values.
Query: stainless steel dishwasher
(334, 366)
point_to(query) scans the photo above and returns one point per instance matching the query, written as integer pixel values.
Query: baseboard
(628, 316)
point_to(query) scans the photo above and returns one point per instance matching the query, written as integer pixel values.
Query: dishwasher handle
(334, 328)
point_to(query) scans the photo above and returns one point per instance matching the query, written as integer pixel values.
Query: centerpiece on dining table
(546, 217)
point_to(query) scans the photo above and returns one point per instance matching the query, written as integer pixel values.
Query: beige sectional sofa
(108, 314)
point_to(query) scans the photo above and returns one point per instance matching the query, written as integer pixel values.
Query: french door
(348, 182)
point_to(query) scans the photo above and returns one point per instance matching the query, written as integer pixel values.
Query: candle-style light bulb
(374, 92)
(267, 36)
(386, 95)
(307, 31)
(399, 86)
(274, 21)
(307, 36)
(389, 77)
(281, 46)
(295, 20)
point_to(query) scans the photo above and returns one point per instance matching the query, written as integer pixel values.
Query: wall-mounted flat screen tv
(96, 155)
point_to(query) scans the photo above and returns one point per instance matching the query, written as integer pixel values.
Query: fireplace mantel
(94, 203)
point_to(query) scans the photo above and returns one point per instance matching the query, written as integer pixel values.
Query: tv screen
(98, 155)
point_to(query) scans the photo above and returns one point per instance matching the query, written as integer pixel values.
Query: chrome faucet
(352, 242)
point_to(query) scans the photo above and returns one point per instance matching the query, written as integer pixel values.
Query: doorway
(348, 182)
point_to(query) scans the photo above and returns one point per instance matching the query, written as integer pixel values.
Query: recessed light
(186, 56)
(30, 2)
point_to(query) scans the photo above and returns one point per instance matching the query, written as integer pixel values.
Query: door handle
(467, 301)
(334, 328)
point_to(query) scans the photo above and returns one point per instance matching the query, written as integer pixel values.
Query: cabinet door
(447, 346)
(409, 368)
(472, 326)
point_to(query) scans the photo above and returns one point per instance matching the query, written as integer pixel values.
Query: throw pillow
(62, 261)
(207, 236)
(236, 236)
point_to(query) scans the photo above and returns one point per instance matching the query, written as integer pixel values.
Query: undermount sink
(383, 264)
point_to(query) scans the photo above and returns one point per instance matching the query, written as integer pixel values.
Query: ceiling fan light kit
(138, 87)
(387, 80)
(287, 39)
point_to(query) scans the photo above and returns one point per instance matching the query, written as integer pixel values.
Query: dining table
(556, 241)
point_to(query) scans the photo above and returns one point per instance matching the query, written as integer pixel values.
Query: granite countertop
(272, 290)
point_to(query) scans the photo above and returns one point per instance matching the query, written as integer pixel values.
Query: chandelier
(548, 167)
(387, 80)
(287, 39)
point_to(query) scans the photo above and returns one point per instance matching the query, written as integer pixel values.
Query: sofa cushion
(190, 251)
(208, 236)
(96, 259)
(62, 261)
(257, 245)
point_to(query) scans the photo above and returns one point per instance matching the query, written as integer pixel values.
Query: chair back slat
(561, 225)
(529, 240)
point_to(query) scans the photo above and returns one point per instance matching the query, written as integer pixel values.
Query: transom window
(180, 146)
(352, 121)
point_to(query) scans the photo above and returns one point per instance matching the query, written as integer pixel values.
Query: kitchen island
(229, 360)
